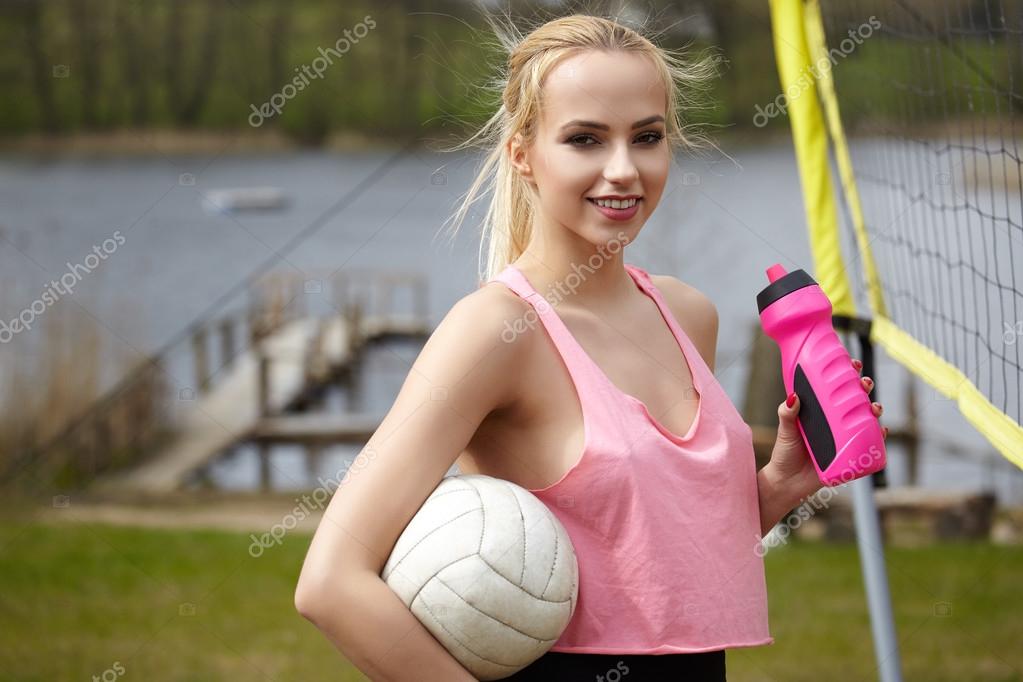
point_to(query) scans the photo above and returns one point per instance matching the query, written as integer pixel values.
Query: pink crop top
(664, 526)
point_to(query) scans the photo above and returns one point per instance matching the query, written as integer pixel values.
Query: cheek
(654, 173)
(656, 165)
(567, 176)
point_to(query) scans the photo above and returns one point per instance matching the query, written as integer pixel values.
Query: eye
(573, 140)
(652, 137)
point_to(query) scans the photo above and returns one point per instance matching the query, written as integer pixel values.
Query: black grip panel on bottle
(813, 421)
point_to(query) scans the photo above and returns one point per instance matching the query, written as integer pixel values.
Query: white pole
(871, 548)
(875, 579)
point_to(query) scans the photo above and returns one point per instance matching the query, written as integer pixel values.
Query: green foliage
(421, 67)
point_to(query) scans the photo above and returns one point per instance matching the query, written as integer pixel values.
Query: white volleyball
(489, 571)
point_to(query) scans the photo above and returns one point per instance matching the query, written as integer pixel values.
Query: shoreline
(176, 141)
(146, 142)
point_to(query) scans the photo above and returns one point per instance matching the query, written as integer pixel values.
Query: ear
(517, 154)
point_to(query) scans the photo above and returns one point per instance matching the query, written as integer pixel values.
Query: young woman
(582, 378)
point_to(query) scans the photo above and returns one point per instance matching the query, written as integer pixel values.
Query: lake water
(720, 223)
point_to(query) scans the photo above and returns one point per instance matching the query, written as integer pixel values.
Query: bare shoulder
(468, 368)
(694, 311)
(484, 328)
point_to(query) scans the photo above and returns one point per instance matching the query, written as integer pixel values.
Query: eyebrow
(604, 126)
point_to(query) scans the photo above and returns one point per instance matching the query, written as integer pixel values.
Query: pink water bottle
(835, 418)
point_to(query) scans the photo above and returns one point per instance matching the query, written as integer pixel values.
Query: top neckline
(651, 292)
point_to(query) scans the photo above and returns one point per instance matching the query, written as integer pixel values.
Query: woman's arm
(778, 496)
(465, 371)
(790, 477)
(374, 629)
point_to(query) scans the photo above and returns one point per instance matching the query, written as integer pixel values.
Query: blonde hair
(507, 224)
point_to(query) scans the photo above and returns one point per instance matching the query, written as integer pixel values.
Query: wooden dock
(254, 396)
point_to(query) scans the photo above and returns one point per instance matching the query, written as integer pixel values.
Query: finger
(857, 364)
(884, 432)
(867, 383)
(789, 407)
(877, 408)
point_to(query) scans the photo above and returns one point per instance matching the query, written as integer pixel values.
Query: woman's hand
(790, 460)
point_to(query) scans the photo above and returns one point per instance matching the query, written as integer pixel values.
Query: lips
(617, 213)
(615, 202)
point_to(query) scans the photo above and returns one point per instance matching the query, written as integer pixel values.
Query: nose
(620, 169)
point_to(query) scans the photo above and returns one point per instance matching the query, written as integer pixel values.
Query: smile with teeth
(615, 203)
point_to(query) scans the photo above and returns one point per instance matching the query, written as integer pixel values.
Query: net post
(869, 538)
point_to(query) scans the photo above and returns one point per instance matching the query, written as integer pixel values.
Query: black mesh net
(931, 97)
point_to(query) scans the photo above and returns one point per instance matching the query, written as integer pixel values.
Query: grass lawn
(159, 605)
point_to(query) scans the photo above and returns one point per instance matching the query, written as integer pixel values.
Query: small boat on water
(245, 199)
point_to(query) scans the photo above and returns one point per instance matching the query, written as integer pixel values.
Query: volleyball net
(916, 220)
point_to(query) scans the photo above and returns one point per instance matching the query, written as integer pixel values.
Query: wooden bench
(911, 515)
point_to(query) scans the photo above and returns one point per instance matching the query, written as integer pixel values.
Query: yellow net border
(804, 69)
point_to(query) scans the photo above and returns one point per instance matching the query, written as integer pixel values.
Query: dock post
(201, 359)
(353, 325)
(353, 330)
(226, 342)
(264, 381)
(264, 466)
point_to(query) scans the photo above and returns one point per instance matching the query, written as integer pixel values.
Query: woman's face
(600, 140)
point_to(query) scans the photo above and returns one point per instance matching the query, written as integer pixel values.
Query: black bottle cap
(797, 279)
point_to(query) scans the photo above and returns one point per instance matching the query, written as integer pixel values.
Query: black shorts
(561, 666)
